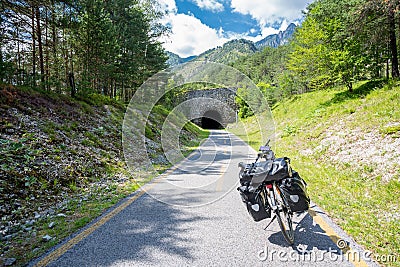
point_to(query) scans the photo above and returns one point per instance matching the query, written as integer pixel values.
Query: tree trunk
(33, 48)
(40, 45)
(71, 79)
(387, 68)
(65, 50)
(18, 59)
(47, 50)
(350, 86)
(393, 43)
(56, 63)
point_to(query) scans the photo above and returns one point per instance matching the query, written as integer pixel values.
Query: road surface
(193, 216)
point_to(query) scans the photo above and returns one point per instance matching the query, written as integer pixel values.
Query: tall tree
(391, 7)
(40, 44)
(108, 47)
(337, 19)
(376, 29)
(310, 60)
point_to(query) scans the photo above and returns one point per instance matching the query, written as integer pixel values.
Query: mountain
(276, 40)
(229, 52)
(174, 59)
(234, 49)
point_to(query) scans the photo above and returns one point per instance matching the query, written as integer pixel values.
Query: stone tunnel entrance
(211, 108)
(211, 120)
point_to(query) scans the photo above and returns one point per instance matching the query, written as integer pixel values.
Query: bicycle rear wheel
(284, 216)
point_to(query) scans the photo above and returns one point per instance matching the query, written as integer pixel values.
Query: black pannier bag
(254, 204)
(280, 169)
(244, 178)
(257, 176)
(295, 190)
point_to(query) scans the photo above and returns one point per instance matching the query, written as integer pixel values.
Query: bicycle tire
(285, 222)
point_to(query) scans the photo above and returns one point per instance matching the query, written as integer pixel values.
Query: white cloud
(212, 5)
(268, 12)
(190, 36)
(265, 31)
(168, 5)
(284, 25)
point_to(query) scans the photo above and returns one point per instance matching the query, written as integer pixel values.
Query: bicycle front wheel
(284, 216)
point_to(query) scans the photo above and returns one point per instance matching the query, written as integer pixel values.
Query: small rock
(52, 224)
(13, 111)
(28, 229)
(29, 223)
(47, 238)
(61, 215)
(10, 130)
(8, 237)
(9, 261)
(51, 211)
(37, 215)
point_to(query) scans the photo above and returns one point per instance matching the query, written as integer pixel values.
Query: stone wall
(220, 100)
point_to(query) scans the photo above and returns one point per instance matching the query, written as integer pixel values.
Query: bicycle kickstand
(273, 218)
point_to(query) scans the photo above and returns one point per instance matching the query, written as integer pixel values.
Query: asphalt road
(193, 216)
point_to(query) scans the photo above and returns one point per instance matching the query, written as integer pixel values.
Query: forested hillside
(229, 52)
(174, 59)
(107, 47)
(235, 49)
(339, 43)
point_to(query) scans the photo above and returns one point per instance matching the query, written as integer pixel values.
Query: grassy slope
(346, 146)
(60, 155)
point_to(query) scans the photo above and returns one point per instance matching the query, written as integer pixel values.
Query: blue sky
(224, 18)
(198, 25)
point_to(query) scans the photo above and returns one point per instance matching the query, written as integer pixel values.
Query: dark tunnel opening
(211, 120)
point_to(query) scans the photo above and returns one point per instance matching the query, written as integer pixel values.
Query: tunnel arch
(220, 100)
(212, 119)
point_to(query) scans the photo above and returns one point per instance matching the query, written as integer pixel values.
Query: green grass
(77, 124)
(190, 135)
(364, 205)
(77, 216)
(193, 144)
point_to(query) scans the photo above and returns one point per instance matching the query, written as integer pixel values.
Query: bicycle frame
(270, 191)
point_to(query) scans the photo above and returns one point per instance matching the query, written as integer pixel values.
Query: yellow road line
(220, 179)
(75, 240)
(220, 182)
(350, 254)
